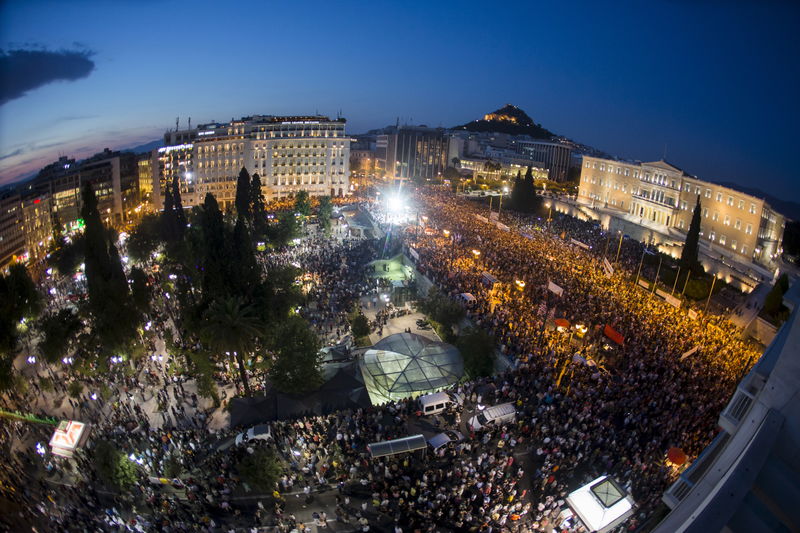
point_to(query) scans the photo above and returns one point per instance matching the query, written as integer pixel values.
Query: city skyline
(718, 100)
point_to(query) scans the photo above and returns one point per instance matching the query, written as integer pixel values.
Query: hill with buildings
(508, 119)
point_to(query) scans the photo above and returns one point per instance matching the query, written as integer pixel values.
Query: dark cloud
(16, 152)
(24, 70)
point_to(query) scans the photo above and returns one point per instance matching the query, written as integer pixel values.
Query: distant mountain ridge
(508, 119)
(786, 208)
(146, 147)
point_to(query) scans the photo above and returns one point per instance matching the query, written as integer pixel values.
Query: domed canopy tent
(406, 365)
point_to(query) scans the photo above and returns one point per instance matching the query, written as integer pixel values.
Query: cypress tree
(109, 297)
(516, 193)
(245, 275)
(257, 205)
(689, 262)
(179, 215)
(243, 195)
(169, 225)
(214, 250)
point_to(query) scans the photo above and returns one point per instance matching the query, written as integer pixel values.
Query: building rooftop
(748, 479)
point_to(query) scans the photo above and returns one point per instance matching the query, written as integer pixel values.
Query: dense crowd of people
(574, 421)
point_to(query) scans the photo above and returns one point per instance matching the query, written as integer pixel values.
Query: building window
(749, 229)
(752, 209)
(743, 251)
(715, 217)
(719, 196)
(730, 201)
(722, 239)
(705, 212)
(711, 236)
(741, 204)
(727, 220)
(680, 223)
(738, 224)
(708, 193)
(733, 245)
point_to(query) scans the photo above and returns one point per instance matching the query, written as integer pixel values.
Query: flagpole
(640, 266)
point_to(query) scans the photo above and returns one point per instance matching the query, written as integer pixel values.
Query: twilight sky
(715, 81)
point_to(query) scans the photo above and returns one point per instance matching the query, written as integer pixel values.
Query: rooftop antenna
(177, 120)
(190, 122)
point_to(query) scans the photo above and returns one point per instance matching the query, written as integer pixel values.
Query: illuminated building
(147, 164)
(290, 154)
(734, 226)
(552, 155)
(25, 227)
(416, 153)
(113, 175)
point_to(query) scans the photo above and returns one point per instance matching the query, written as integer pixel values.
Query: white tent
(601, 505)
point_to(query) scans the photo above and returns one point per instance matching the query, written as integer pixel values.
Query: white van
(438, 402)
(496, 414)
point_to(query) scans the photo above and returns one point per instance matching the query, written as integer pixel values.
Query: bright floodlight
(395, 203)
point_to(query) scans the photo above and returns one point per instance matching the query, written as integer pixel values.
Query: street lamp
(503, 192)
(520, 284)
(549, 212)
(619, 246)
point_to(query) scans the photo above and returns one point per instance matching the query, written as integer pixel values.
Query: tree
(113, 467)
(213, 253)
(144, 240)
(359, 326)
(18, 300)
(523, 193)
(179, 215)
(285, 230)
(243, 197)
(689, 262)
(451, 173)
(442, 309)
(140, 290)
(68, 256)
(325, 212)
(477, 348)
(231, 327)
(296, 365)
(260, 469)
(257, 206)
(58, 330)
(774, 300)
(243, 266)
(169, 223)
(302, 203)
(114, 319)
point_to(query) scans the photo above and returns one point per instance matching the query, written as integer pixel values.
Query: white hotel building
(290, 154)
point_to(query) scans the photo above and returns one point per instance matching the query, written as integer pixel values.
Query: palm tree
(232, 326)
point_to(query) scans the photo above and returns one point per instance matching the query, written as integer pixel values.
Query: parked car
(445, 438)
(496, 414)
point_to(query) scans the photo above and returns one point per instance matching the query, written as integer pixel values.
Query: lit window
(730, 200)
(727, 220)
(719, 196)
(722, 239)
(752, 209)
(715, 217)
(738, 224)
(749, 229)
